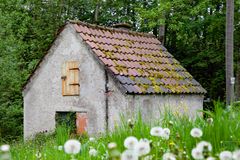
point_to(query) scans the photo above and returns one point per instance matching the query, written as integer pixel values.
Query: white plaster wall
(43, 94)
(150, 106)
(154, 105)
(117, 104)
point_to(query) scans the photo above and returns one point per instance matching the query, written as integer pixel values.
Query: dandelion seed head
(210, 158)
(5, 148)
(72, 146)
(38, 155)
(129, 120)
(130, 142)
(142, 148)
(144, 140)
(169, 156)
(165, 133)
(196, 133)
(93, 152)
(197, 153)
(91, 139)
(60, 148)
(236, 155)
(129, 155)
(156, 131)
(225, 155)
(210, 120)
(205, 144)
(112, 145)
(149, 157)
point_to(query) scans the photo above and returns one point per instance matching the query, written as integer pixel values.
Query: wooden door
(81, 122)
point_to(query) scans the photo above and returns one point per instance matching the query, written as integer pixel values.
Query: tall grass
(62, 134)
(223, 133)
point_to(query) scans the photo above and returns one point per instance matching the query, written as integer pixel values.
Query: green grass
(223, 134)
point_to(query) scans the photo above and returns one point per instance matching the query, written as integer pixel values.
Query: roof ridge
(149, 35)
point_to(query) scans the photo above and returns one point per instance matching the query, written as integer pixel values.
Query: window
(70, 78)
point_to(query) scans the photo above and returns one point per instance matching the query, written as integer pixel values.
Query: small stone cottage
(97, 73)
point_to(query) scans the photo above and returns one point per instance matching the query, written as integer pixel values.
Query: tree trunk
(229, 51)
(162, 33)
(96, 12)
(238, 78)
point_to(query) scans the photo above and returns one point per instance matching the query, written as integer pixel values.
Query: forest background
(194, 34)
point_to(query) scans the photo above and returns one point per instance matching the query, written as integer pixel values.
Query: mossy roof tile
(138, 60)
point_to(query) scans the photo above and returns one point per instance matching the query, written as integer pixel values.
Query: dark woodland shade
(138, 60)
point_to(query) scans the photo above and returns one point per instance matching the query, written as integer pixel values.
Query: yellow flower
(171, 143)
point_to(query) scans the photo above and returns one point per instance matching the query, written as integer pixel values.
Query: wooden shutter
(70, 78)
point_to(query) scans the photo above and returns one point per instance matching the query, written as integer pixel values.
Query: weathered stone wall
(150, 106)
(43, 94)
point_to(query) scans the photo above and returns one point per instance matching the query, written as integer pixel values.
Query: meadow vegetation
(173, 134)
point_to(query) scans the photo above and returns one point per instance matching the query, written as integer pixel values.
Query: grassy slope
(223, 134)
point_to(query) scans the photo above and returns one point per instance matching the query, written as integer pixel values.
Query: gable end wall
(43, 94)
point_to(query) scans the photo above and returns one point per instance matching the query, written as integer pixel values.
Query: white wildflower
(197, 153)
(210, 158)
(72, 146)
(144, 140)
(205, 144)
(156, 131)
(130, 142)
(169, 156)
(149, 157)
(129, 121)
(236, 155)
(5, 148)
(38, 155)
(112, 145)
(5, 156)
(129, 155)
(93, 152)
(60, 148)
(210, 120)
(225, 155)
(142, 147)
(91, 139)
(170, 122)
(196, 133)
(166, 133)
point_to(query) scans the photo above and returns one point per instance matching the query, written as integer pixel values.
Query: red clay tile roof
(138, 60)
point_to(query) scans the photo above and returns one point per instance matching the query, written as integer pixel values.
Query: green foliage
(194, 35)
(67, 119)
(62, 134)
(222, 133)
(24, 36)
